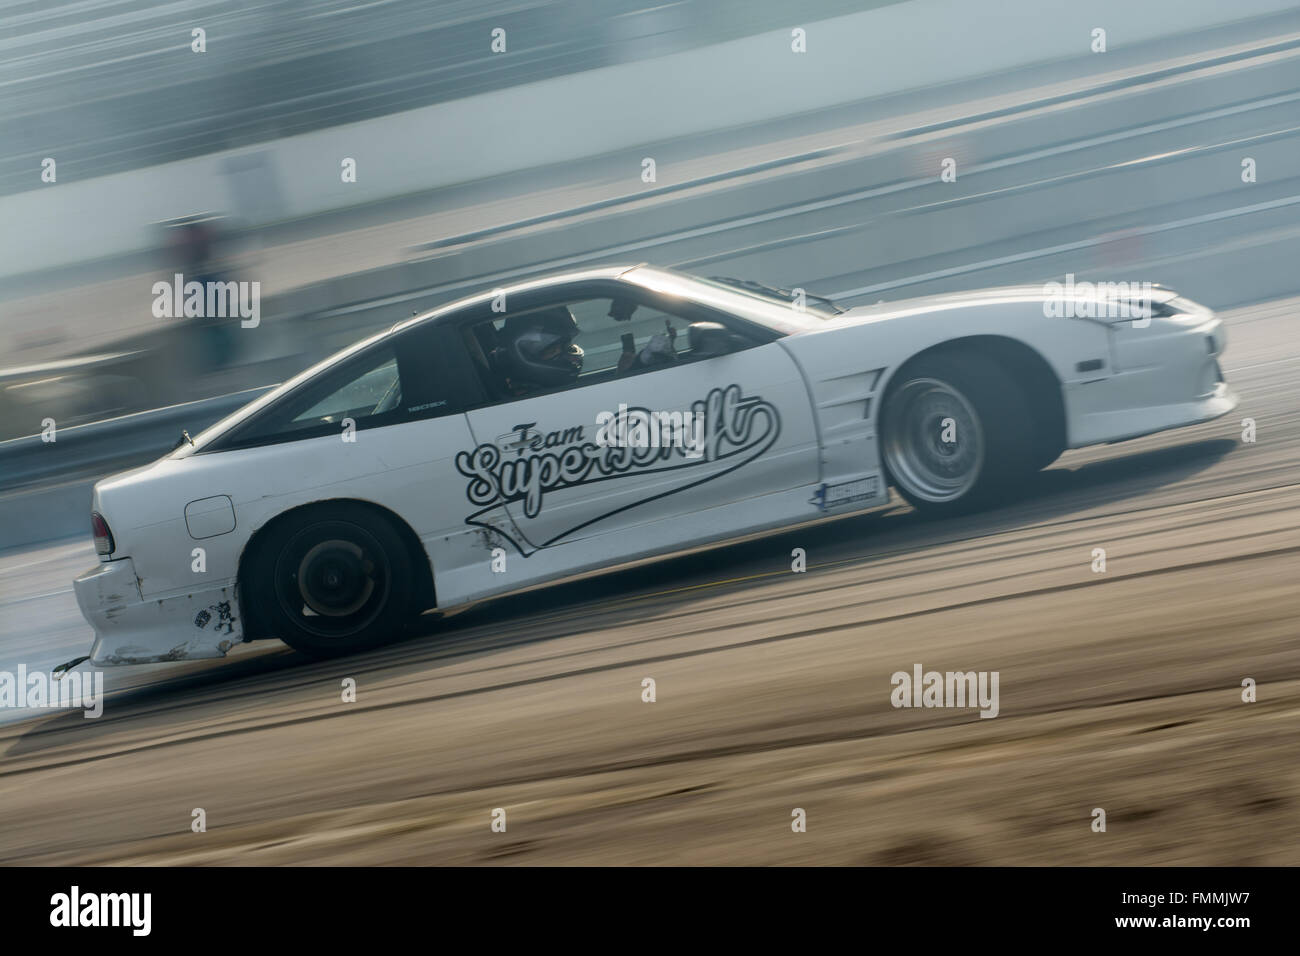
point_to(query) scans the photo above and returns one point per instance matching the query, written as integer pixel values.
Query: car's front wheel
(333, 580)
(955, 433)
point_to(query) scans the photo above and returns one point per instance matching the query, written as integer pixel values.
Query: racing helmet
(538, 349)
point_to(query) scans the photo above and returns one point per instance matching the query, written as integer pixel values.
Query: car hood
(959, 300)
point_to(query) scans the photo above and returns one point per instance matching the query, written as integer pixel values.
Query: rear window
(366, 390)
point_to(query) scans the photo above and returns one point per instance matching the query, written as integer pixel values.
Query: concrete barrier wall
(905, 46)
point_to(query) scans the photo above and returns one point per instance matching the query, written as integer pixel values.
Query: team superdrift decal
(729, 431)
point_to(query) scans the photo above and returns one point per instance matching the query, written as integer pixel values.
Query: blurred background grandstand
(113, 84)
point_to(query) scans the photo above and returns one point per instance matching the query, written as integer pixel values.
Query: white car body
(790, 436)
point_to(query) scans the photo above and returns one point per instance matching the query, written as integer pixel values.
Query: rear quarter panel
(407, 468)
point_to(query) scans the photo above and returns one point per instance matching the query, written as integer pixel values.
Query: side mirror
(712, 338)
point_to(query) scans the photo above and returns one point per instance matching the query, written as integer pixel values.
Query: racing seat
(482, 343)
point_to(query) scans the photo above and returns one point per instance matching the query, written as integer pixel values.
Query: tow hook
(62, 669)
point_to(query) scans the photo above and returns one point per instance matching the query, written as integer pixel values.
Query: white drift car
(588, 419)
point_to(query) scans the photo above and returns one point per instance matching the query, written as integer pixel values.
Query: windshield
(814, 303)
(770, 309)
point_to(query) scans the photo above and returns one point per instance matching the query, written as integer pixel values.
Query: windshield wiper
(773, 291)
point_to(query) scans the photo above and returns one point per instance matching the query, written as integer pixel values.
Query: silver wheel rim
(914, 448)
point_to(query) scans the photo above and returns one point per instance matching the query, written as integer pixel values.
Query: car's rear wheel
(956, 433)
(333, 580)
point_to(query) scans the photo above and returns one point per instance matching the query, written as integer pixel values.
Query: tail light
(103, 537)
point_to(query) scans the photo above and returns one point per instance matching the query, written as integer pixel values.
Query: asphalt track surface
(1118, 690)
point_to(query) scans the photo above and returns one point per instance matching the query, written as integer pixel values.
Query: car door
(564, 465)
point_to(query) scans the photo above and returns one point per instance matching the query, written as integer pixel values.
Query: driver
(537, 350)
(659, 350)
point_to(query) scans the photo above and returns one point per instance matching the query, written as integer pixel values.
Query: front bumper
(130, 630)
(1166, 378)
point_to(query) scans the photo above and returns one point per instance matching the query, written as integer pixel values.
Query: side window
(611, 344)
(368, 389)
(584, 341)
(374, 390)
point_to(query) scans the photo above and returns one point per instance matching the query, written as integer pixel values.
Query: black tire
(1045, 452)
(333, 580)
(993, 451)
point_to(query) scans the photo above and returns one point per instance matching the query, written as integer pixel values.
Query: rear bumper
(130, 630)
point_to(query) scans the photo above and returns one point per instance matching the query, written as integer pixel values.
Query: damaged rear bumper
(130, 630)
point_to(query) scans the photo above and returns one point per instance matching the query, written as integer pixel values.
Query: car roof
(527, 285)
